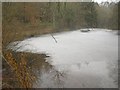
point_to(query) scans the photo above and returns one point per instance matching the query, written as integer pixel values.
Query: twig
(54, 38)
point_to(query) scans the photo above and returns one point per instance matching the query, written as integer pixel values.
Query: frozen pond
(81, 59)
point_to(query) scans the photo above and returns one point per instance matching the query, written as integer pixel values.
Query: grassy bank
(23, 72)
(19, 68)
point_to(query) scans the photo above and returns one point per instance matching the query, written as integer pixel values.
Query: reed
(22, 72)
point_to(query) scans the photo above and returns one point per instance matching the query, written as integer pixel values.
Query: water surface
(79, 60)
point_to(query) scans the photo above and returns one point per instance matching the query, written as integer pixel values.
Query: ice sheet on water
(83, 55)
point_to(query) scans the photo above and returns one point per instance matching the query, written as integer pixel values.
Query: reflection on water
(46, 74)
(77, 60)
(80, 75)
(53, 78)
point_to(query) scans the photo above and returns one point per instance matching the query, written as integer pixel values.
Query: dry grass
(21, 70)
(17, 31)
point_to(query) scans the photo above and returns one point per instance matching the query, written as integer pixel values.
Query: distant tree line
(62, 15)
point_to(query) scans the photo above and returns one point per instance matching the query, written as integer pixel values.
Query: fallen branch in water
(54, 38)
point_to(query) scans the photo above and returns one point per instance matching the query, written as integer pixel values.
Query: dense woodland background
(47, 17)
(62, 15)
